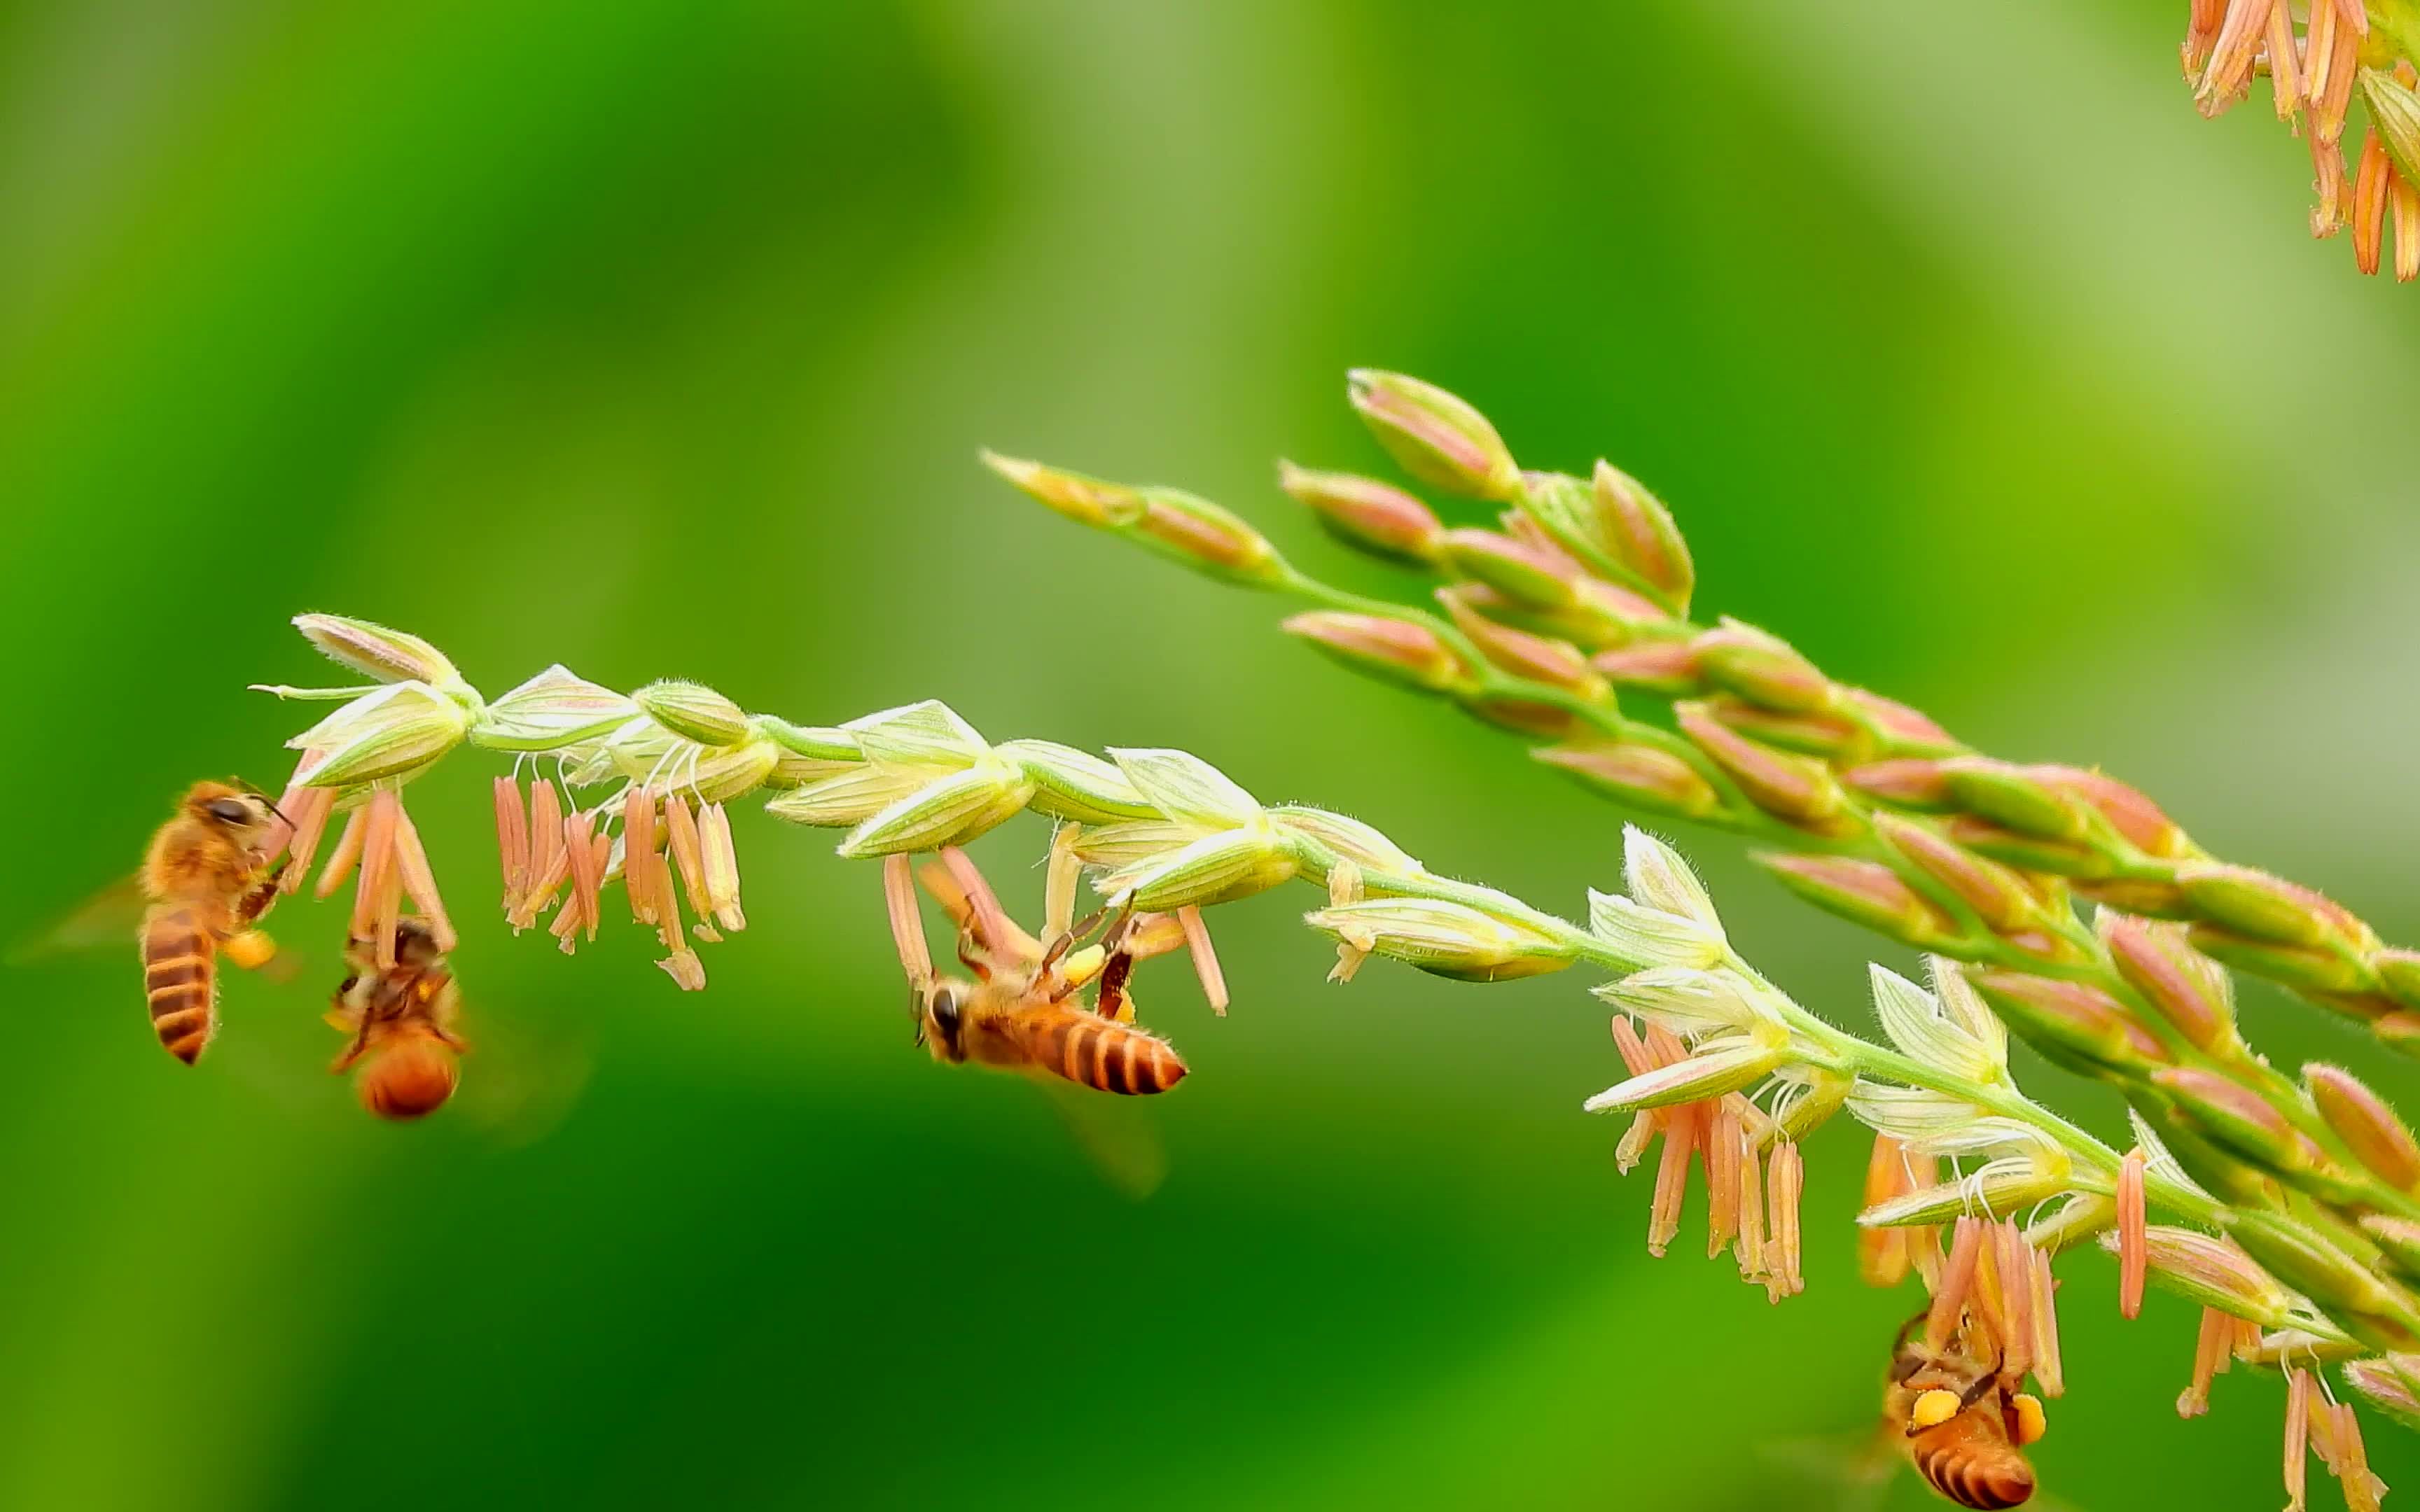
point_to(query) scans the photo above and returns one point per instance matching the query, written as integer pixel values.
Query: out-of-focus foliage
(658, 339)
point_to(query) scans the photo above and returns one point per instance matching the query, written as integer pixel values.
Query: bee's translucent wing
(1118, 1136)
(111, 917)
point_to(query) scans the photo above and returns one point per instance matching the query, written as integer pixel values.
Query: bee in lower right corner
(1961, 1421)
(402, 1021)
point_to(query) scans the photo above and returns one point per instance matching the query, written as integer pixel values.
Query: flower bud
(1904, 731)
(1444, 938)
(2147, 897)
(1863, 892)
(1915, 1021)
(2399, 972)
(1396, 651)
(1130, 844)
(551, 711)
(2029, 853)
(1075, 784)
(1530, 578)
(1086, 501)
(1666, 667)
(390, 734)
(950, 810)
(1216, 868)
(847, 798)
(1640, 534)
(2008, 1183)
(1434, 436)
(2263, 907)
(2213, 1271)
(1795, 788)
(928, 734)
(1658, 877)
(1646, 938)
(1641, 776)
(1523, 717)
(1209, 539)
(1376, 517)
(1556, 663)
(2235, 1117)
(2301, 968)
(1762, 669)
(2395, 113)
(1348, 839)
(1186, 788)
(1719, 1066)
(2015, 798)
(2189, 991)
(693, 712)
(1904, 784)
(2309, 1263)
(2391, 1384)
(1998, 896)
(389, 656)
(2139, 821)
(1835, 737)
(2366, 1124)
(2398, 1237)
(2083, 1022)
(717, 774)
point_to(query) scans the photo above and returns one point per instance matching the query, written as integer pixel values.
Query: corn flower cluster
(2303, 1258)
(2317, 65)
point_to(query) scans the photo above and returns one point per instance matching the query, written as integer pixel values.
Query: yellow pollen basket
(1933, 1408)
(250, 951)
(2031, 1424)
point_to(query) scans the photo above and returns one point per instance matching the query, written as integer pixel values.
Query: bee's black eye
(349, 983)
(945, 1010)
(229, 811)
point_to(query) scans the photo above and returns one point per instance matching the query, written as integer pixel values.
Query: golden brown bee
(402, 1023)
(205, 879)
(1962, 1422)
(1005, 1023)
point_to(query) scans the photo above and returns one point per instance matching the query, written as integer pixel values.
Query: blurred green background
(658, 338)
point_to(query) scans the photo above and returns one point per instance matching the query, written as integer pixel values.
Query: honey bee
(1962, 1422)
(206, 879)
(402, 1023)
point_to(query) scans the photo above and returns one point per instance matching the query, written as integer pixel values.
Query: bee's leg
(1110, 1002)
(971, 953)
(264, 892)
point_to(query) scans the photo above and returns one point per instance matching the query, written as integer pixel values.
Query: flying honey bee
(1962, 1422)
(402, 1023)
(206, 879)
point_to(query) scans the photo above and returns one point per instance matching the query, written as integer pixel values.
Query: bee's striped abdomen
(1099, 1053)
(1976, 1477)
(179, 970)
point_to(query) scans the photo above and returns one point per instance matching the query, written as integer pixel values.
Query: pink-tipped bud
(2399, 972)
(1902, 731)
(1530, 578)
(2068, 1017)
(1638, 534)
(1093, 501)
(389, 656)
(1538, 658)
(1378, 517)
(2146, 896)
(1434, 436)
(2264, 907)
(2029, 853)
(2391, 1384)
(693, 712)
(2366, 1124)
(1666, 667)
(1998, 896)
(2139, 821)
(1904, 784)
(1863, 892)
(2316, 1266)
(1398, 651)
(1637, 775)
(1795, 788)
(2134, 1245)
(2189, 989)
(2301, 967)
(1208, 538)
(2017, 798)
(1762, 669)
(2234, 1116)
(1836, 737)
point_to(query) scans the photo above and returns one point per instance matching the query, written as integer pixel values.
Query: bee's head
(940, 1020)
(245, 814)
(415, 943)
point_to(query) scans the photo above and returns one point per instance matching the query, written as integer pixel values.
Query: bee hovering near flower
(401, 1017)
(1961, 1421)
(207, 879)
